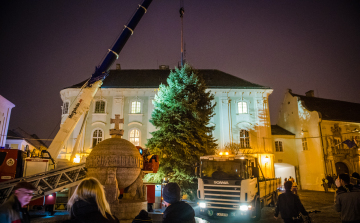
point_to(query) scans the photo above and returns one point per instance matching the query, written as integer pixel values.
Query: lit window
(66, 108)
(304, 144)
(135, 137)
(244, 139)
(97, 137)
(100, 107)
(278, 146)
(242, 107)
(135, 107)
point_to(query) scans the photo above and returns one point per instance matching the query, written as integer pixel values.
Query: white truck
(231, 186)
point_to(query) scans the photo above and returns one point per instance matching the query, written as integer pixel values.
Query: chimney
(164, 67)
(310, 93)
(118, 67)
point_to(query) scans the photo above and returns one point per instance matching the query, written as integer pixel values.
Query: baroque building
(5, 112)
(241, 112)
(325, 137)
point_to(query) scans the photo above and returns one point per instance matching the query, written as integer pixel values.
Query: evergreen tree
(183, 109)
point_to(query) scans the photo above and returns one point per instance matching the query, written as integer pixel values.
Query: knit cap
(171, 193)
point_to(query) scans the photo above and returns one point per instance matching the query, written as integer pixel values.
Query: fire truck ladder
(47, 182)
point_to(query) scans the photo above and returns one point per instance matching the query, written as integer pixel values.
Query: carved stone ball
(114, 154)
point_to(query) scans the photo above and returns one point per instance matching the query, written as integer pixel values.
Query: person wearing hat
(13, 209)
(177, 211)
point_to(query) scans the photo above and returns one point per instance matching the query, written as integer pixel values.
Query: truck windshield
(236, 169)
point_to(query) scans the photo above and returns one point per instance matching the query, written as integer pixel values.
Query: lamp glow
(202, 205)
(77, 159)
(266, 159)
(220, 153)
(244, 208)
(226, 153)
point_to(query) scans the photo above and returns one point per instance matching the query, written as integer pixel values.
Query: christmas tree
(183, 109)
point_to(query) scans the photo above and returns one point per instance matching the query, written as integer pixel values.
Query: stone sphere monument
(117, 164)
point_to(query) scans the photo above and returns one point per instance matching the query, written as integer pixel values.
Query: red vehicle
(11, 164)
(151, 162)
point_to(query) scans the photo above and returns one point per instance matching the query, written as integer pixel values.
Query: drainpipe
(322, 144)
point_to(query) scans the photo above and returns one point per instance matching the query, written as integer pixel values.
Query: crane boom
(87, 94)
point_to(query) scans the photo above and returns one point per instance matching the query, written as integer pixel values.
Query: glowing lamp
(221, 153)
(226, 153)
(202, 205)
(266, 159)
(77, 159)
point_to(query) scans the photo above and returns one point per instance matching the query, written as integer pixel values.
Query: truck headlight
(245, 207)
(202, 205)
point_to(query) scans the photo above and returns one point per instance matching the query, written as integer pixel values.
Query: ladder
(47, 182)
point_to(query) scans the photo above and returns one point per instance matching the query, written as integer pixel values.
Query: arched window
(100, 107)
(135, 137)
(65, 108)
(242, 107)
(97, 137)
(135, 107)
(244, 139)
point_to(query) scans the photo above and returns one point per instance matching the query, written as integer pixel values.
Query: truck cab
(230, 185)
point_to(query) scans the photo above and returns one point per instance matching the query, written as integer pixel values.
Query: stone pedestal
(127, 210)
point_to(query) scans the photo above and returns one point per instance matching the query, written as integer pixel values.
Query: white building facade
(241, 112)
(320, 127)
(5, 112)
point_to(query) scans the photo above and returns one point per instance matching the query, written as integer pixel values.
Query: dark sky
(47, 45)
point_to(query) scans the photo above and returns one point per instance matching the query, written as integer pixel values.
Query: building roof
(332, 110)
(277, 130)
(152, 78)
(19, 133)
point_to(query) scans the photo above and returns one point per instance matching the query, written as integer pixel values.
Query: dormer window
(242, 107)
(135, 107)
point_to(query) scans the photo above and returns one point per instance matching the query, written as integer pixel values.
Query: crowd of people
(347, 201)
(88, 204)
(294, 185)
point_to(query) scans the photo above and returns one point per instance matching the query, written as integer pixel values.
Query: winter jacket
(179, 212)
(11, 212)
(289, 206)
(348, 203)
(87, 211)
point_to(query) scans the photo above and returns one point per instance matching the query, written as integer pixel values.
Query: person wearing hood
(347, 200)
(88, 204)
(177, 211)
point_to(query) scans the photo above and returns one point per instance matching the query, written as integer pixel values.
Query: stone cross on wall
(117, 132)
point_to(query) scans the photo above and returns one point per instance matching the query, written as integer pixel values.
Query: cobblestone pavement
(312, 200)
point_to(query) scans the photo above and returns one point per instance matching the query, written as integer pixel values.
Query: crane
(94, 83)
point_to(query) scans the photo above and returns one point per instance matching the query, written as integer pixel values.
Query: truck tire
(257, 211)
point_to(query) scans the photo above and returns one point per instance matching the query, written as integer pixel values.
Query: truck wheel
(257, 211)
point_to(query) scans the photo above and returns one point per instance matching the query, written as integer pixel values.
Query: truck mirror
(196, 171)
(255, 171)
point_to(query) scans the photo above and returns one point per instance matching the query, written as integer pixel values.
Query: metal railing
(47, 182)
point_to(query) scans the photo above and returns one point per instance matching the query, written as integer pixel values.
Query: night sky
(47, 45)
